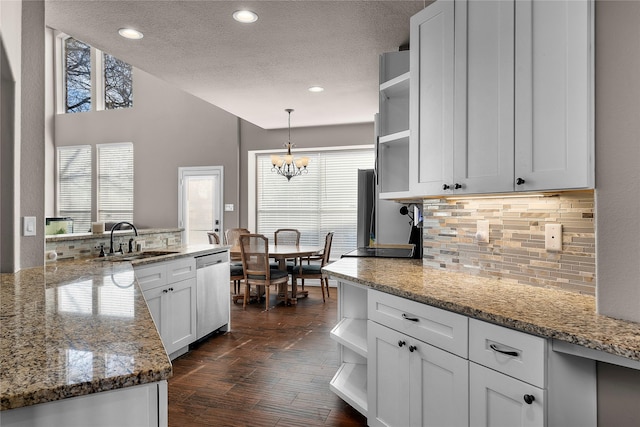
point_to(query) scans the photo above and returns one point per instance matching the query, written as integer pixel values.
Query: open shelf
(350, 383)
(400, 137)
(395, 86)
(352, 333)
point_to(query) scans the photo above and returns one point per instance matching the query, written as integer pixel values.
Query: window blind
(115, 182)
(324, 200)
(74, 185)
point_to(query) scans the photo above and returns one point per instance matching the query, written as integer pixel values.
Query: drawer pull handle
(401, 343)
(413, 319)
(412, 348)
(529, 398)
(508, 353)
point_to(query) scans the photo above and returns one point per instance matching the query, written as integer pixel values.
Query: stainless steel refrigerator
(379, 221)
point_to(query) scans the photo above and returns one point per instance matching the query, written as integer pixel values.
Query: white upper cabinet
(484, 90)
(431, 98)
(501, 97)
(554, 95)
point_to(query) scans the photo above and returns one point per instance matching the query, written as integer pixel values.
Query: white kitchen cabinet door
(484, 97)
(156, 304)
(180, 322)
(412, 383)
(388, 377)
(439, 387)
(431, 99)
(554, 90)
(497, 400)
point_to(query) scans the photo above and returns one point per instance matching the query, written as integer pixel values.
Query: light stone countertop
(76, 327)
(550, 313)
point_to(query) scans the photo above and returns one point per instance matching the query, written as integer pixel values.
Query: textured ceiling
(253, 71)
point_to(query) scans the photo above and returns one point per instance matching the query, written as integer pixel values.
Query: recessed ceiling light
(130, 33)
(245, 16)
(316, 89)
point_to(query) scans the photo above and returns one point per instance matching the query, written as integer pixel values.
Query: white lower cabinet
(170, 291)
(143, 405)
(499, 400)
(413, 383)
(404, 363)
(350, 381)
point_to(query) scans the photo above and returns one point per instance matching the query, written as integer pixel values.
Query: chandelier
(288, 166)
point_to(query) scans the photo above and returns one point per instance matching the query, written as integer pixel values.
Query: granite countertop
(76, 327)
(86, 236)
(550, 313)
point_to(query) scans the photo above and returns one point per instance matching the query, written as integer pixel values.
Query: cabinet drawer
(181, 269)
(514, 353)
(152, 276)
(434, 326)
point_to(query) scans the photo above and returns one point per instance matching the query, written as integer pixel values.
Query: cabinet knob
(445, 186)
(519, 181)
(457, 186)
(401, 343)
(412, 348)
(164, 291)
(171, 289)
(529, 398)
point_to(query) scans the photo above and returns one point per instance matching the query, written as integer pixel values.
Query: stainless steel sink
(134, 256)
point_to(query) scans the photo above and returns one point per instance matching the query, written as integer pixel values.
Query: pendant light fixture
(288, 166)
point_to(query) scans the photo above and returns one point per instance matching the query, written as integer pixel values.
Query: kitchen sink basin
(134, 256)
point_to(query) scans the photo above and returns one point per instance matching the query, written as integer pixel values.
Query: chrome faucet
(135, 230)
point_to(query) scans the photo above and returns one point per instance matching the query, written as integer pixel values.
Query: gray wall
(618, 158)
(618, 194)
(169, 128)
(22, 115)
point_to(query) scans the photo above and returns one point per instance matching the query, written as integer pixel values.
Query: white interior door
(200, 202)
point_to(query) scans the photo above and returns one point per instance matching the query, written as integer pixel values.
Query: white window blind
(321, 201)
(74, 185)
(115, 182)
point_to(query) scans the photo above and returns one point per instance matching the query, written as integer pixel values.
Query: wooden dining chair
(257, 271)
(314, 271)
(231, 237)
(214, 238)
(287, 236)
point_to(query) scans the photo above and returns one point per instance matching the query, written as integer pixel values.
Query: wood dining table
(282, 253)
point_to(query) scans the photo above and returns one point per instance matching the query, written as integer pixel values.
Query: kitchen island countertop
(76, 327)
(551, 313)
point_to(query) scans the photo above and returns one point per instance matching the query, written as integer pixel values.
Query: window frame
(97, 76)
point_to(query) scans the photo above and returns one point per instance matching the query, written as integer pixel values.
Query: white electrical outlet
(553, 237)
(228, 207)
(171, 241)
(482, 231)
(29, 226)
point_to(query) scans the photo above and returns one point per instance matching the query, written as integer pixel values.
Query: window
(323, 200)
(78, 76)
(105, 83)
(115, 182)
(114, 178)
(74, 185)
(118, 83)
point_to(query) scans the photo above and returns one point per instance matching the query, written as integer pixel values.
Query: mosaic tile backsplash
(70, 246)
(516, 239)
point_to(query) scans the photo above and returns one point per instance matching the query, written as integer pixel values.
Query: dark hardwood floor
(272, 369)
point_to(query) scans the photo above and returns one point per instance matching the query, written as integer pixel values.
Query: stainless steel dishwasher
(213, 295)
